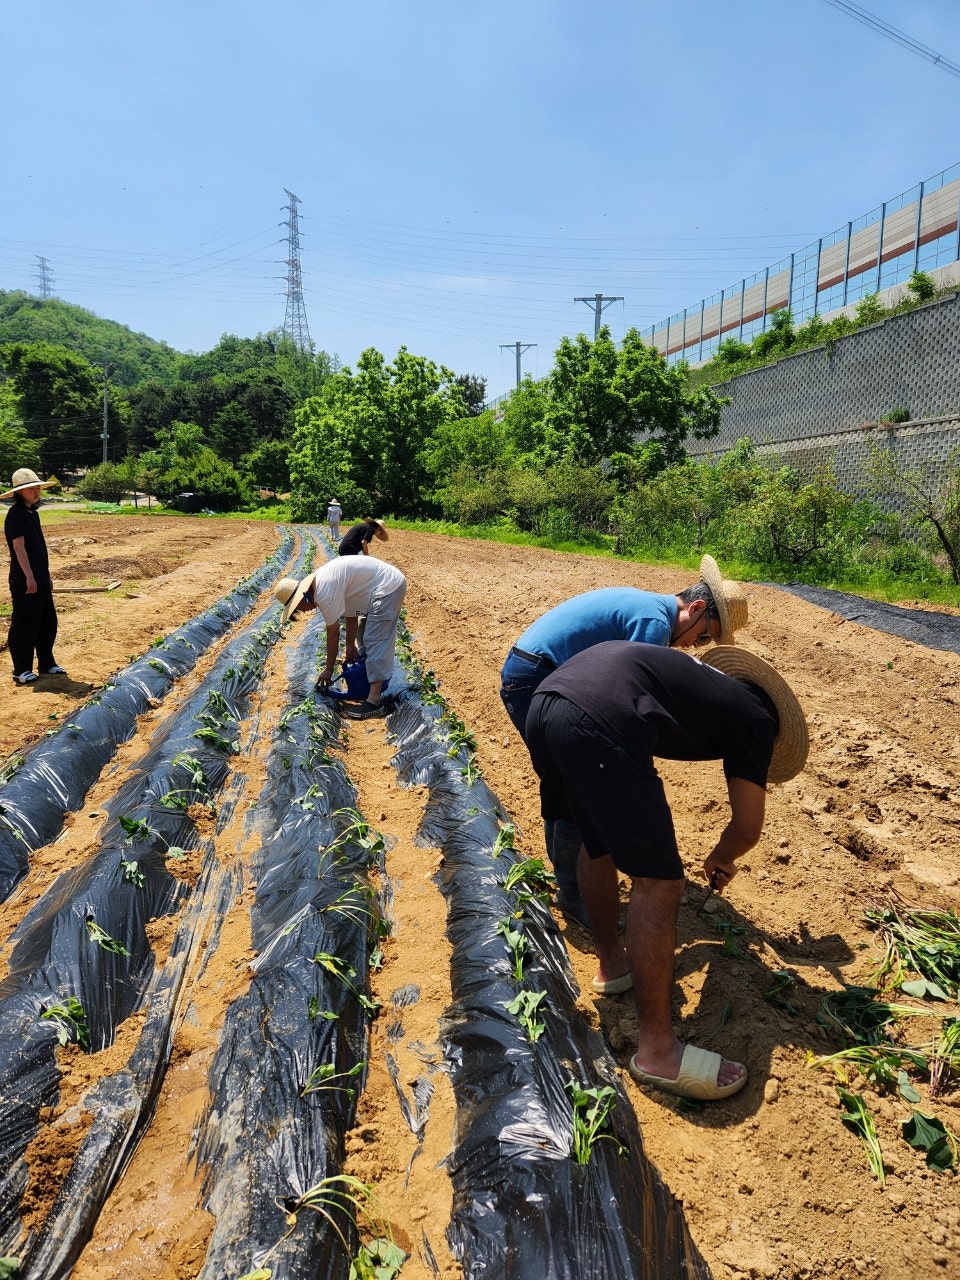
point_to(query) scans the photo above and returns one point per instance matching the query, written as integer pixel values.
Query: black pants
(33, 629)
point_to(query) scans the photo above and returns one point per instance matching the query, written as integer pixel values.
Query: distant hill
(132, 357)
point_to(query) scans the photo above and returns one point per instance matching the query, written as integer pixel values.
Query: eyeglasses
(706, 636)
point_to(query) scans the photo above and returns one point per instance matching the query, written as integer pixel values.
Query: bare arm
(333, 644)
(20, 551)
(350, 639)
(747, 809)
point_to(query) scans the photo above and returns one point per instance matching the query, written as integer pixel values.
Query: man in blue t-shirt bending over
(713, 609)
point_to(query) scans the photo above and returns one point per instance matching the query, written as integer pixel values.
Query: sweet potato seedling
(518, 944)
(857, 1117)
(525, 1007)
(325, 1077)
(591, 1119)
(70, 1020)
(103, 939)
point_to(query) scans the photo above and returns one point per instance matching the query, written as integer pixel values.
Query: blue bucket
(353, 681)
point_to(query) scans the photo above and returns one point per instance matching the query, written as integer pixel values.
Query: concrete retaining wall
(822, 405)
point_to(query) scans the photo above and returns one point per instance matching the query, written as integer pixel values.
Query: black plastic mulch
(522, 1206)
(86, 940)
(935, 630)
(55, 775)
(292, 1056)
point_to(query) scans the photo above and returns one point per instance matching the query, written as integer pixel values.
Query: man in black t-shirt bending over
(594, 726)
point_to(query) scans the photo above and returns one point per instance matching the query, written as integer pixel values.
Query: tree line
(594, 452)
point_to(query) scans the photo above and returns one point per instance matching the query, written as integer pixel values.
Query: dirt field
(772, 1183)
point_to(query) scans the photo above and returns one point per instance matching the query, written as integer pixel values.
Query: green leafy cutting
(591, 1119)
(857, 1118)
(71, 1023)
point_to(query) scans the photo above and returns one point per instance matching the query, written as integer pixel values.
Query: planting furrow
(51, 780)
(548, 1170)
(82, 960)
(292, 1056)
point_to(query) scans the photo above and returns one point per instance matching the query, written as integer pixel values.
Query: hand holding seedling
(718, 876)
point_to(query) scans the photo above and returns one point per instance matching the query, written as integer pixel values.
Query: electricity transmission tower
(599, 304)
(519, 348)
(45, 277)
(295, 320)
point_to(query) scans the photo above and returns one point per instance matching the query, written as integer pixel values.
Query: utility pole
(599, 304)
(519, 348)
(105, 435)
(295, 320)
(45, 277)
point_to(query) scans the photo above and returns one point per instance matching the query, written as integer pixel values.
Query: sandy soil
(772, 1184)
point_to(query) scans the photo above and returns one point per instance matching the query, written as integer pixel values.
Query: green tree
(364, 437)
(791, 525)
(106, 483)
(60, 400)
(269, 465)
(929, 495)
(604, 401)
(473, 389)
(922, 286)
(17, 449)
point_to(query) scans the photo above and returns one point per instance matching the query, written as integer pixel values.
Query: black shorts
(615, 798)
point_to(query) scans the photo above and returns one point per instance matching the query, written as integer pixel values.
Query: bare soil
(772, 1183)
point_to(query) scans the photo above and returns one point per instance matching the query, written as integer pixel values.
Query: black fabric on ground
(935, 630)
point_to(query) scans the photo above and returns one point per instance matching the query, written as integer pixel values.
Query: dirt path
(772, 1184)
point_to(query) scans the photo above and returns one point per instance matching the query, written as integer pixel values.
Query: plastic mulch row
(522, 1206)
(55, 775)
(86, 942)
(292, 1056)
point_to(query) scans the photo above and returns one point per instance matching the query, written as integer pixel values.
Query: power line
(895, 34)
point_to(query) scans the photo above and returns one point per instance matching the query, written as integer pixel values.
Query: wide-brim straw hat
(383, 530)
(290, 592)
(729, 598)
(24, 478)
(792, 743)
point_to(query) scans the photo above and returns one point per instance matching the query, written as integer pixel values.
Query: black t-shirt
(663, 702)
(24, 522)
(356, 535)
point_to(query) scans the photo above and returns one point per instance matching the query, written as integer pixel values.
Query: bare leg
(374, 695)
(651, 940)
(600, 888)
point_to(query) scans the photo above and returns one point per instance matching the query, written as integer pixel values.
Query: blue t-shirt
(613, 613)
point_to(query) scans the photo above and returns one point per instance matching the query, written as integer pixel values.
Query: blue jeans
(519, 680)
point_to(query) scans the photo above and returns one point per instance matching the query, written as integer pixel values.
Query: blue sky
(465, 170)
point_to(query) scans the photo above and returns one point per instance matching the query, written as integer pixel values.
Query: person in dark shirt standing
(356, 541)
(33, 626)
(594, 728)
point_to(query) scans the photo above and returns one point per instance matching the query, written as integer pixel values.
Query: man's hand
(718, 874)
(31, 585)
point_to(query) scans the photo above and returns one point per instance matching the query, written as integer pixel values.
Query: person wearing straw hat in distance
(713, 609)
(356, 541)
(595, 726)
(343, 588)
(33, 625)
(334, 513)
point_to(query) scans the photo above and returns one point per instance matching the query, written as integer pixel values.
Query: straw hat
(24, 478)
(290, 592)
(729, 598)
(792, 742)
(381, 530)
